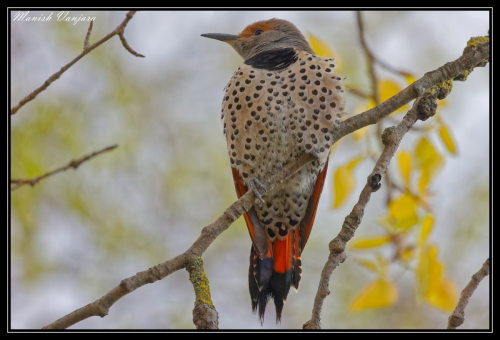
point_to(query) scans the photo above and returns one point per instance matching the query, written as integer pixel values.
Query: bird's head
(263, 36)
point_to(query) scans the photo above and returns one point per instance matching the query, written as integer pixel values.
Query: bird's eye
(259, 32)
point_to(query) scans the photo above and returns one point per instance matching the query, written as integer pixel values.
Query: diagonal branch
(209, 233)
(17, 183)
(87, 49)
(458, 316)
(391, 138)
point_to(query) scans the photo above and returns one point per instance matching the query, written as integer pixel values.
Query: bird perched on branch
(281, 102)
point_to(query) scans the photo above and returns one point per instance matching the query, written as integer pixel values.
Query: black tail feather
(272, 284)
(259, 273)
(279, 288)
(297, 272)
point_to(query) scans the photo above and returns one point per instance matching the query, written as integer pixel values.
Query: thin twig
(63, 69)
(209, 233)
(87, 37)
(17, 183)
(390, 68)
(458, 316)
(359, 93)
(373, 76)
(371, 59)
(372, 56)
(127, 46)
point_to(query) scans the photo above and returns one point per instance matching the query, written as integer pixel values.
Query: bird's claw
(256, 185)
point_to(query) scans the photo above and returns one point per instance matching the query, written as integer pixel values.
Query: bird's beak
(222, 37)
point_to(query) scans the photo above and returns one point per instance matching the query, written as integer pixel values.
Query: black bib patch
(273, 60)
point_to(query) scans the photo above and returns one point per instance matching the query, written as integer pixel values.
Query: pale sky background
(77, 234)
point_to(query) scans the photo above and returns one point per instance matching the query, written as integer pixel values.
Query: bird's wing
(257, 233)
(306, 224)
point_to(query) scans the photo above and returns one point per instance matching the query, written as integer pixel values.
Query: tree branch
(205, 315)
(458, 316)
(371, 58)
(87, 49)
(359, 93)
(17, 183)
(209, 233)
(86, 43)
(370, 54)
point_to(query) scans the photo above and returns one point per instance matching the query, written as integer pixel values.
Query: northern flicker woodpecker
(282, 101)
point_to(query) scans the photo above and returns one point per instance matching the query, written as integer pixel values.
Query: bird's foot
(257, 188)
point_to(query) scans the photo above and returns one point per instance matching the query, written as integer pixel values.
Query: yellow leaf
(380, 293)
(320, 48)
(407, 254)
(425, 179)
(387, 89)
(444, 296)
(403, 212)
(428, 270)
(370, 265)
(447, 139)
(410, 79)
(427, 225)
(429, 160)
(344, 182)
(426, 154)
(370, 242)
(434, 275)
(404, 160)
(352, 164)
(436, 290)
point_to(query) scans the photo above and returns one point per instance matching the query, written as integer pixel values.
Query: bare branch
(205, 315)
(373, 76)
(17, 183)
(458, 316)
(359, 93)
(371, 58)
(209, 233)
(127, 46)
(87, 37)
(118, 30)
(370, 54)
